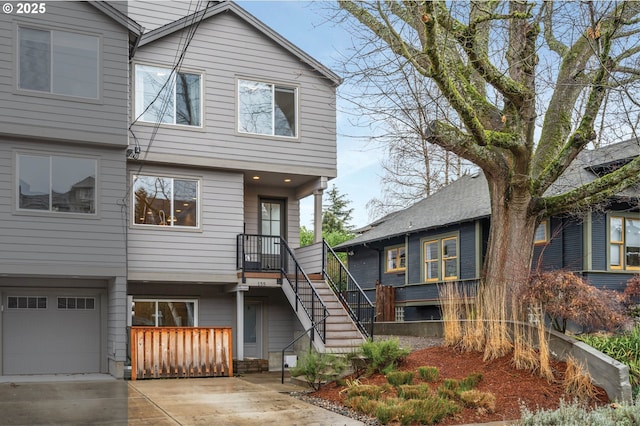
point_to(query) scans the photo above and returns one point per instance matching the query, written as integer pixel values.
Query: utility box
(290, 361)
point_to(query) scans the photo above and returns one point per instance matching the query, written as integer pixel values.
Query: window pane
(150, 106)
(75, 64)
(449, 248)
(450, 269)
(431, 250)
(175, 314)
(632, 240)
(285, 112)
(432, 270)
(255, 107)
(33, 182)
(614, 254)
(144, 313)
(541, 232)
(391, 259)
(616, 229)
(185, 202)
(35, 59)
(188, 109)
(401, 256)
(152, 200)
(73, 184)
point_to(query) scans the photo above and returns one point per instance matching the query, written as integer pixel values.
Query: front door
(272, 224)
(253, 329)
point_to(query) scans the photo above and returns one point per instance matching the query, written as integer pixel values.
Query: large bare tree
(531, 84)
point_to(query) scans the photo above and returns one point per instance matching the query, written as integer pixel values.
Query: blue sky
(304, 23)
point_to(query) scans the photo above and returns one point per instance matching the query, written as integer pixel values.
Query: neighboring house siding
(610, 281)
(209, 250)
(573, 249)
(241, 51)
(38, 242)
(599, 242)
(48, 116)
(364, 264)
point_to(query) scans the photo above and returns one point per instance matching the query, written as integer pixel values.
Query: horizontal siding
(39, 240)
(241, 51)
(213, 250)
(45, 116)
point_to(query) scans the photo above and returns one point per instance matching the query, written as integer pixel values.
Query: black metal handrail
(353, 298)
(267, 253)
(306, 295)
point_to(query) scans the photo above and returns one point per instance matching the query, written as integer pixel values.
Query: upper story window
(624, 243)
(542, 233)
(396, 259)
(58, 62)
(441, 259)
(57, 184)
(166, 201)
(164, 96)
(267, 109)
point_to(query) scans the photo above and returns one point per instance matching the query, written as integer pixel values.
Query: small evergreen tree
(336, 214)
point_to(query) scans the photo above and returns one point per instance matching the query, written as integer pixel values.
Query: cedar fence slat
(385, 302)
(180, 352)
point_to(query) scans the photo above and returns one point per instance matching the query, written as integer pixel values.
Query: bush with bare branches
(565, 297)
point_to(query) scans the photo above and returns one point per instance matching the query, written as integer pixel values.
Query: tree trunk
(508, 260)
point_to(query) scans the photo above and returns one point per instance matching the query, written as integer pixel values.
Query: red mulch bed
(511, 387)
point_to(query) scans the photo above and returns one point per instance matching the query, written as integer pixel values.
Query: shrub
(370, 391)
(470, 382)
(477, 399)
(397, 378)
(577, 414)
(363, 404)
(430, 374)
(428, 411)
(414, 391)
(319, 368)
(383, 355)
(565, 297)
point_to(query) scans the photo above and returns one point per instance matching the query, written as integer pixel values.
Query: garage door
(50, 332)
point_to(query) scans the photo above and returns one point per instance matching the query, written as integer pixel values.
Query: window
(396, 260)
(164, 313)
(76, 303)
(26, 302)
(57, 184)
(624, 243)
(164, 96)
(441, 259)
(541, 235)
(267, 109)
(165, 201)
(58, 62)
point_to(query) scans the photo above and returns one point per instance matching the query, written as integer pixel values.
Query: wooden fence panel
(163, 352)
(385, 302)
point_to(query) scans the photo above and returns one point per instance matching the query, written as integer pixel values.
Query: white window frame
(139, 109)
(51, 91)
(169, 219)
(158, 300)
(50, 210)
(274, 86)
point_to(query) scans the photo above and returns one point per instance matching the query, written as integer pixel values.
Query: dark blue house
(444, 237)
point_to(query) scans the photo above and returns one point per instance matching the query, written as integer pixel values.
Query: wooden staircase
(342, 334)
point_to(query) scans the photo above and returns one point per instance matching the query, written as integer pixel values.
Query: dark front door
(272, 226)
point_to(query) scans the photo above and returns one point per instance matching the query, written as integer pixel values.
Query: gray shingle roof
(467, 198)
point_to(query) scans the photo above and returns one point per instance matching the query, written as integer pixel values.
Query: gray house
(443, 238)
(152, 160)
(63, 138)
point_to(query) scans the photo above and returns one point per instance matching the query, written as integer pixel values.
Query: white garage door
(50, 332)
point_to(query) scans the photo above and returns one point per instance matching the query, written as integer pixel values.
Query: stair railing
(307, 297)
(346, 288)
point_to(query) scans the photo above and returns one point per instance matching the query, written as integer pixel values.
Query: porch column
(239, 324)
(317, 216)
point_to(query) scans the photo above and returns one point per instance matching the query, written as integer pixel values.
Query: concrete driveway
(257, 399)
